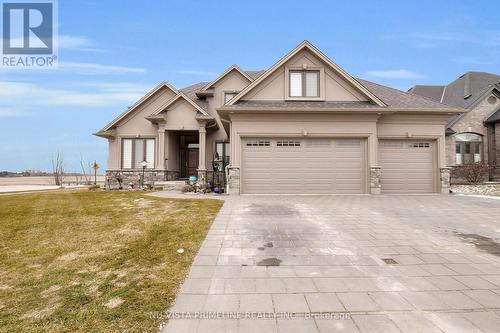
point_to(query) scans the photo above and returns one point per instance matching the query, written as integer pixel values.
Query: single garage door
(408, 166)
(303, 166)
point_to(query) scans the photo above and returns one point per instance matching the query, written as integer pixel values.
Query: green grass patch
(94, 261)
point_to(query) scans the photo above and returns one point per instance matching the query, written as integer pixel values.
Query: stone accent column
(375, 174)
(202, 168)
(444, 177)
(233, 180)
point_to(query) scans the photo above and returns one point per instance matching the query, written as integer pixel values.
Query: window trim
(144, 143)
(224, 92)
(224, 152)
(321, 83)
(472, 144)
(303, 78)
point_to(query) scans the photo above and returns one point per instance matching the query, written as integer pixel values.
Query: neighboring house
(473, 136)
(302, 126)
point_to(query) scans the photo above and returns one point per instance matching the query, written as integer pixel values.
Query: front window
(135, 151)
(468, 148)
(229, 95)
(304, 83)
(222, 154)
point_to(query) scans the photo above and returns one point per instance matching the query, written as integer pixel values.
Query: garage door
(408, 166)
(303, 166)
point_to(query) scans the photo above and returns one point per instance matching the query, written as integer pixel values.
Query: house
(304, 126)
(472, 136)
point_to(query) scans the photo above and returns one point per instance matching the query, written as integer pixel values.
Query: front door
(192, 162)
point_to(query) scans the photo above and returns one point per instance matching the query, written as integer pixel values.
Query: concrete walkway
(346, 264)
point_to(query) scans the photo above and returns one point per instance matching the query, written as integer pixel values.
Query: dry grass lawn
(94, 261)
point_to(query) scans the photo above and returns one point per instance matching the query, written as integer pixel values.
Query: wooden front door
(192, 162)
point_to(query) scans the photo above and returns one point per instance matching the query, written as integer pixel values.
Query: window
(304, 83)
(288, 143)
(259, 143)
(222, 154)
(468, 148)
(135, 151)
(229, 95)
(421, 145)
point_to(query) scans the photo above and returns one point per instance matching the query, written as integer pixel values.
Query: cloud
(10, 113)
(79, 43)
(195, 72)
(395, 74)
(97, 69)
(29, 98)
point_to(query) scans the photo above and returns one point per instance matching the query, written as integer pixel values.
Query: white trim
(163, 84)
(227, 71)
(314, 50)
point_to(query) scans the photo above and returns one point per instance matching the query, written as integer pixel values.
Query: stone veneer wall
(132, 178)
(375, 174)
(233, 180)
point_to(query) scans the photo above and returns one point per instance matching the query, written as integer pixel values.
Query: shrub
(187, 188)
(472, 173)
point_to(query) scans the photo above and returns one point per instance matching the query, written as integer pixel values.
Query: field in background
(38, 183)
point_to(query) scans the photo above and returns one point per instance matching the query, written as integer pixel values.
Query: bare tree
(58, 169)
(84, 172)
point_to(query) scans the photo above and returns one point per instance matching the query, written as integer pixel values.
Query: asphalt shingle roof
(464, 91)
(399, 99)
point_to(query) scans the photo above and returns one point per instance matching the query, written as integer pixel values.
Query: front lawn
(94, 261)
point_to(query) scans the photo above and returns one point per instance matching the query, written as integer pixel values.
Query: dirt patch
(69, 256)
(113, 303)
(271, 210)
(269, 262)
(483, 243)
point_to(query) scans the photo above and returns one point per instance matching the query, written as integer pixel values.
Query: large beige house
(303, 126)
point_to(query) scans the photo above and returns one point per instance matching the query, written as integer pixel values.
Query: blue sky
(112, 52)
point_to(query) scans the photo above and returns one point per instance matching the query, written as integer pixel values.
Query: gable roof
(180, 95)
(132, 108)
(465, 91)
(307, 45)
(226, 72)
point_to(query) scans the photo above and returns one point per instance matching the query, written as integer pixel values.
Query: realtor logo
(28, 28)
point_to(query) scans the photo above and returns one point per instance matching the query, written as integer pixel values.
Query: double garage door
(334, 166)
(304, 166)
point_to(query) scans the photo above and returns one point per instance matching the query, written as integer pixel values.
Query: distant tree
(58, 169)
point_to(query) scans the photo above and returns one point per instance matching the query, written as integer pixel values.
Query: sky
(113, 52)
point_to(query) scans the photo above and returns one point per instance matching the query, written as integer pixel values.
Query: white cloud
(28, 98)
(93, 69)
(79, 43)
(10, 113)
(395, 74)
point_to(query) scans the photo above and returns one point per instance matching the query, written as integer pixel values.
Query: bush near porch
(94, 261)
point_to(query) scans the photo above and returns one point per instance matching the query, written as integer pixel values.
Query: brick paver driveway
(314, 264)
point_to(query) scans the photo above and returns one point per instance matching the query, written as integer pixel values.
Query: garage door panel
(317, 166)
(408, 166)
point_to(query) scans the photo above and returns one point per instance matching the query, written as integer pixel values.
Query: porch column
(202, 168)
(160, 161)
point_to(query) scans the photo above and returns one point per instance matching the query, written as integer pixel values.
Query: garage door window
(468, 148)
(287, 143)
(258, 144)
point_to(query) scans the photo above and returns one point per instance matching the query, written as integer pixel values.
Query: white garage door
(408, 166)
(303, 166)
